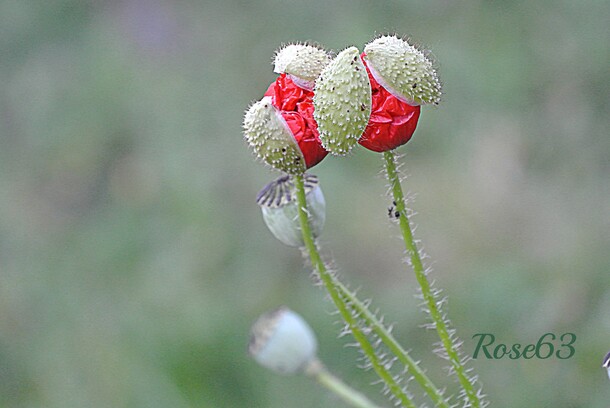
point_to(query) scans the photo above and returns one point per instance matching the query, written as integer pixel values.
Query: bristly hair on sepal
(270, 138)
(403, 70)
(302, 62)
(342, 102)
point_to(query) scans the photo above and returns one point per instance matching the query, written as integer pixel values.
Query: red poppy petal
(392, 121)
(296, 106)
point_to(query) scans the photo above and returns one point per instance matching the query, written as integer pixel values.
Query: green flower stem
(318, 372)
(420, 275)
(390, 342)
(326, 278)
(362, 312)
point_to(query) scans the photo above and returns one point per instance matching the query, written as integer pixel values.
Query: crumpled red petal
(296, 107)
(392, 121)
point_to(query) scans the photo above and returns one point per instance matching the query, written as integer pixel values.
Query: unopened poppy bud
(281, 212)
(303, 63)
(282, 341)
(268, 134)
(403, 70)
(342, 102)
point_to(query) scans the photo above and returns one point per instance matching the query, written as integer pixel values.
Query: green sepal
(403, 70)
(342, 102)
(270, 138)
(302, 61)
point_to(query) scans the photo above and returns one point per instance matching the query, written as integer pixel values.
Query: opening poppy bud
(269, 136)
(282, 341)
(403, 70)
(295, 105)
(278, 203)
(392, 121)
(303, 63)
(342, 102)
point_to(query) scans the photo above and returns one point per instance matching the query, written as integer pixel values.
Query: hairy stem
(318, 372)
(327, 280)
(429, 298)
(390, 342)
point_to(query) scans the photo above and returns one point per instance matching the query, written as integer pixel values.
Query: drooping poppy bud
(392, 121)
(281, 212)
(303, 63)
(403, 70)
(271, 139)
(282, 341)
(295, 105)
(342, 102)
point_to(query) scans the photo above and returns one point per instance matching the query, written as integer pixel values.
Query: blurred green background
(133, 257)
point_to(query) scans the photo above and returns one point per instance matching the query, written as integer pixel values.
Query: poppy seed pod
(342, 102)
(302, 62)
(282, 341)
(269, 136)
(280, 209)
(403, 70)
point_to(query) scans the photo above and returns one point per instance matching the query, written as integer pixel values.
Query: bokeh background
(133, 257)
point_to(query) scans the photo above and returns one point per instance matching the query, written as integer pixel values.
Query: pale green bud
(302, 62)
(278, 203)
(342, 102)
(282, 341)
(403, 70)
(269, 136)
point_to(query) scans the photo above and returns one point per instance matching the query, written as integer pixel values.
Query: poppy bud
(282, 341)
(342, 102)
(281, 212)
(295, 105)
(392, 121)
(403, 70)
(268, 134)
(302, 62)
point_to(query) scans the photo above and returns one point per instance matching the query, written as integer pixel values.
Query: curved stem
(326, 278)
(420, 275)
(318, 372)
